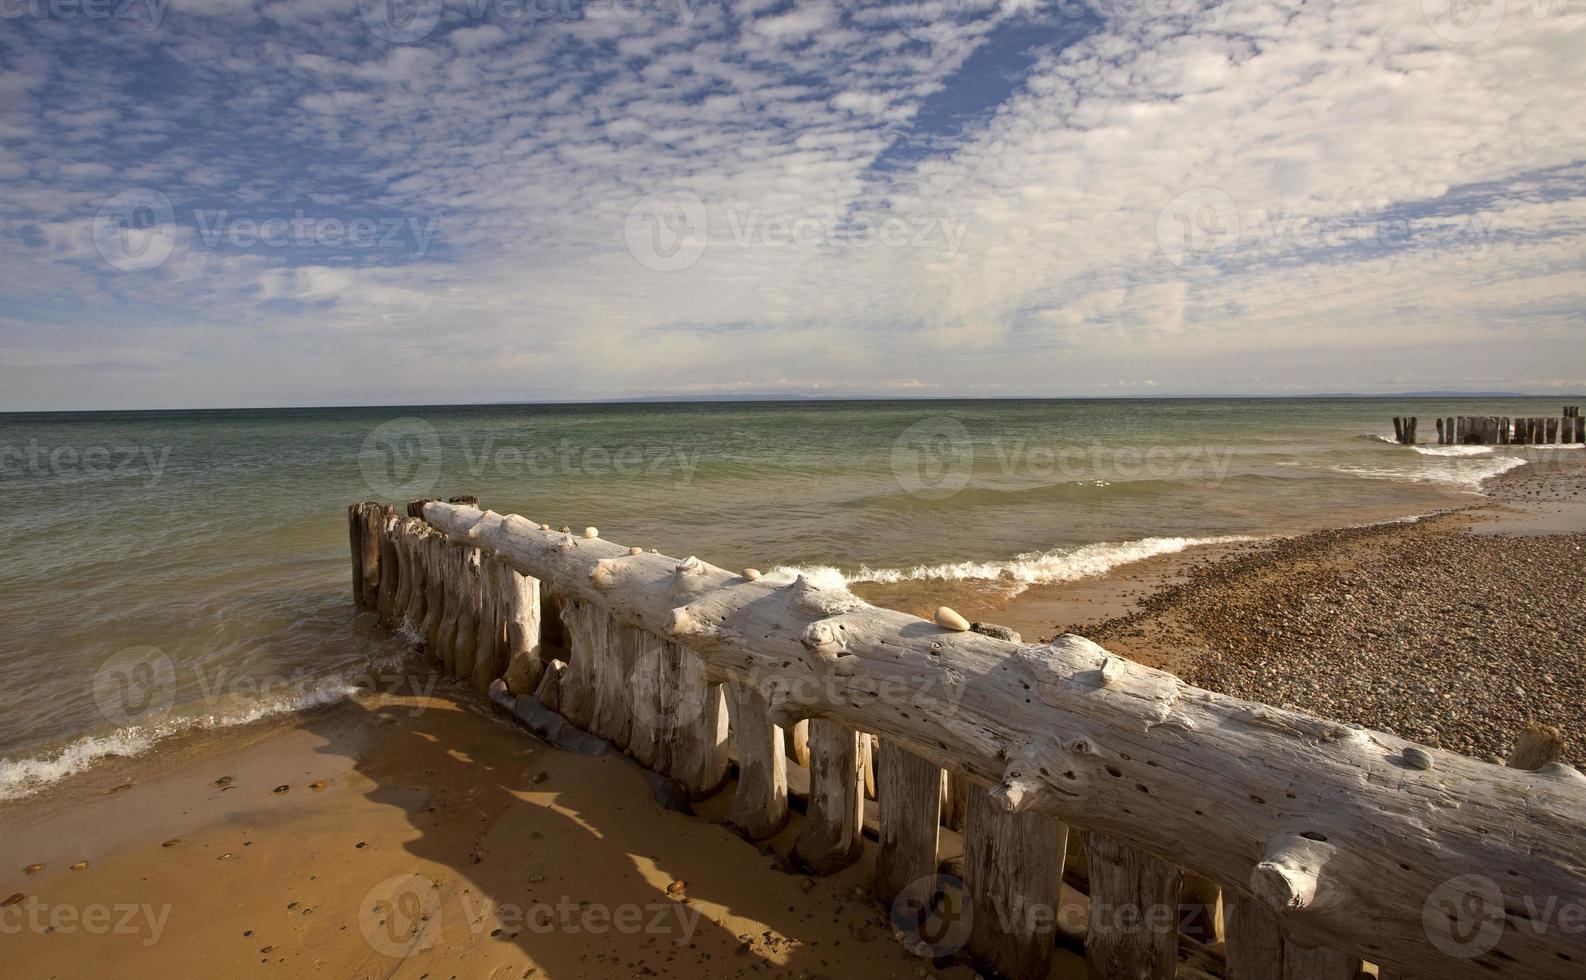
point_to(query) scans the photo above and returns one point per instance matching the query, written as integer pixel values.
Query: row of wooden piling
(482, 621)
(1498, 430)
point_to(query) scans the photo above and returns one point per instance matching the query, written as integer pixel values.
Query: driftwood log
(1352, 846)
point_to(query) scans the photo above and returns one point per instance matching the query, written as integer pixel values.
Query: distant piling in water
(1498, 430)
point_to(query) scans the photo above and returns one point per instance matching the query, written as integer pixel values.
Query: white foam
(1465, 473)
(1019, 572)
(23, 777)
(1453, 450)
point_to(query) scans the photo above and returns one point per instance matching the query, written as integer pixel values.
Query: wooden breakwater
(1327, 846)
(1497, 430)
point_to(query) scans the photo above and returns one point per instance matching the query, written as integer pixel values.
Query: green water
(218, 540)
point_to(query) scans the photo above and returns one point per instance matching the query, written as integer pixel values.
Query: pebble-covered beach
(1438, 630)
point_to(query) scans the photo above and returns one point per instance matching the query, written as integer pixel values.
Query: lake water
(210, 547)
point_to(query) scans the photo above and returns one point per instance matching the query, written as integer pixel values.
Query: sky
(256, 202)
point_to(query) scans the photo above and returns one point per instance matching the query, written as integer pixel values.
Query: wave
(1079, 491)
(26, 776)
(1463, 472)
(1453, 450)
(1019, 572)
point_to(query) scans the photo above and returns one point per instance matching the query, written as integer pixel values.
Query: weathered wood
(1013, 871)
(652, 680)
(1068, 729)
(1258, 950)
(1537, 746)
(390, 571)
(453, 580)
(1441, 439)
(613, 715)
(520, 598)
(1200, 908)
(698, 726)
(403, 536)
(759, 804)
(798, 743)
(832, 835)
(549, 692)
(355, 541)
(1134, 912)
(955, 799)
(415, 574)
(436, 551)
(464, 644)
(490, 636)
(588, 629)
(1398, 429)
(1552, 431)
(908, 791)
(867, 759)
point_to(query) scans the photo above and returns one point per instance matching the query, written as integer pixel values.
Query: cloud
(1196, 195)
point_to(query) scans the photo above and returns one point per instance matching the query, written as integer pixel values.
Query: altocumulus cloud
(238, 200)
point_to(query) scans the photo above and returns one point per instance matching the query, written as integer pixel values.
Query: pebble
(1417, 758)
(950, 620)
(1422, 629)
(172, 842)
(80, 866)
(33, 869)
(590, 532)
(13, 900)
(676, 887)
(281, 788)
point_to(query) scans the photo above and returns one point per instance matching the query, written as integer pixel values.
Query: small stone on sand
(172, 842)
(223, 781)
(281, 788)
(317, 785)
(80, 866)
(676, 887)
(13, 900)
(33, 869)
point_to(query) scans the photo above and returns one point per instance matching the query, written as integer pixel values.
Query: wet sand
(414, 838)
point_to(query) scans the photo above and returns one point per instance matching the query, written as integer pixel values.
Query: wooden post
(1257, 949)
(1398, 430)
(759, 806)
(1450, 428)
(1537, 746)
(1013, 871)
(832, 836)
(437, 562)
(464, 648)
(613, 716)
(1415, 423)
(490, 647)
(698, 727)
(1200, 908)
(955, 800)
(521, 598)
(909, 796)
(1440, 438)
(414, 572)
(452, 611)
(1134, 912)
(587, 628)
(798, 743)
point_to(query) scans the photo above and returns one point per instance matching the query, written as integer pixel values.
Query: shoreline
(430, 827)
